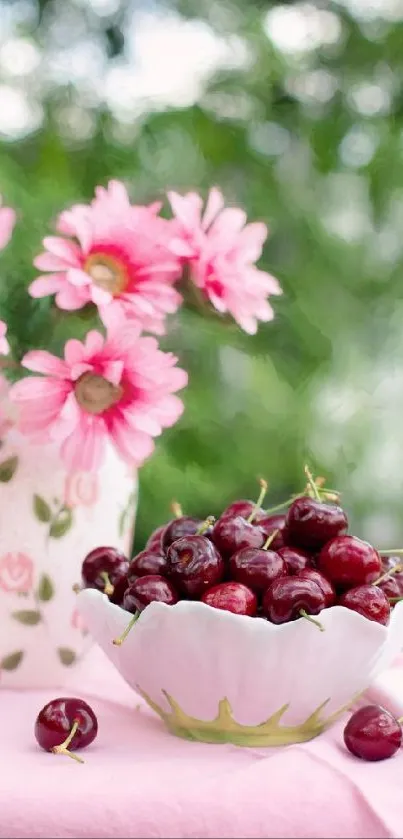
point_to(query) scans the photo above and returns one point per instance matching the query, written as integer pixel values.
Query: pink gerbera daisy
(7, 222)
(117, 257)
(4, 345)
(221, 249)
(118, 388)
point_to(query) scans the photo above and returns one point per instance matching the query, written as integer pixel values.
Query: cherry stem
(205, 525)
(397, 551)
(394, 570)
(312, 483)
(63, 748)
(395, 599)
(281, 506)
(399, 720)
(263, 490)
(119, 641)
(309, 618)
(108, 587)
(76, 588)
(270, 539)
(176, 509)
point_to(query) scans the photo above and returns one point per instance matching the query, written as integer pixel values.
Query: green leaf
(42, 509)
(27, 616)
(67, 656)
(7, 469)
(12, 661)
(61, 524)
(45, 588)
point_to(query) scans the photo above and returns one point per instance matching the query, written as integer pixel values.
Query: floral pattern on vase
(49, 520)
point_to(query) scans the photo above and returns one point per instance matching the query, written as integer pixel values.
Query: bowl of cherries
(257, 628)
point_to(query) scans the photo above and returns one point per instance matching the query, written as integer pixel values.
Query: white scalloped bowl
(219, 677)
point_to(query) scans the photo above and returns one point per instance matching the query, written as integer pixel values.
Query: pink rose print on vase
(16, 573)
(81, 489)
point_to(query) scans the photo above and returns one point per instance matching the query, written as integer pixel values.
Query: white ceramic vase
(49, 520)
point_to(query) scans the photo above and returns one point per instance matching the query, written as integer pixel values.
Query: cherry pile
(253, 562)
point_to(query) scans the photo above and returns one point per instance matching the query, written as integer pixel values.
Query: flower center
(107, 272)
(95, 394)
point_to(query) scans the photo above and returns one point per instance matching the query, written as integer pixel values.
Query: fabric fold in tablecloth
(140, 781)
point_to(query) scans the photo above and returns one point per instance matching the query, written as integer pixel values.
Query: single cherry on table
(373, 733)
(65, 722)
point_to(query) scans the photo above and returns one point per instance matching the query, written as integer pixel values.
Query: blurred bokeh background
(295, 109)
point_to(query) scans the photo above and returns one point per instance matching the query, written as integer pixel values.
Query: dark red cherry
(103, 568)
(231, 597)
(256, 568)
(268, 524)
(391, 589)
(182, 526)
(243, 508)
(295, 559)
(369, 601)
(230, 535)
(348, 562)
(290, 597)
(311, 523)
(66, 722)
(372, 733)
(323, 583)
(194, 565)
(118, 591)
(154, 542)
(149, 561)
(146, 590)
(389, 563)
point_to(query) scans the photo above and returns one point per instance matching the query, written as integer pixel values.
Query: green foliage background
(308, 139)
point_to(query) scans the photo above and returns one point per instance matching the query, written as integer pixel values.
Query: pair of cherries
(372, 733)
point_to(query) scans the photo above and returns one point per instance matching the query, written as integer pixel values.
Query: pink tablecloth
(139, 781)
